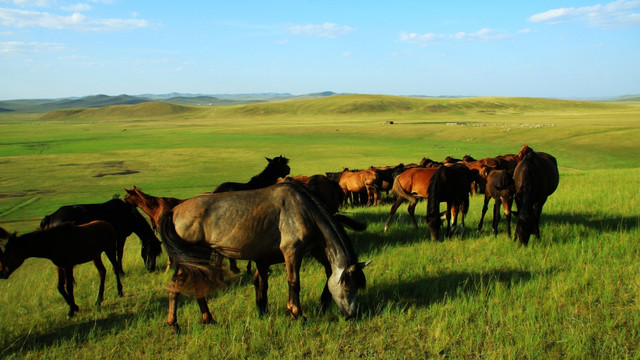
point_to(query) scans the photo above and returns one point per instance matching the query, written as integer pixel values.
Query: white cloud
(22, 48)
(614, 15)
(75, 21)
(328, 30)
(482, 35)
(36, 3)
(76, 7)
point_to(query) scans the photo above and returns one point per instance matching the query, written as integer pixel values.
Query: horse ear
(269, 160)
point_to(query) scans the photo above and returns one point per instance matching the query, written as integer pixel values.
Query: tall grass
(572, 294)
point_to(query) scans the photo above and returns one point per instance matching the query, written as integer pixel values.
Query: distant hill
(628, 98)
(145, 109)
(96, 101)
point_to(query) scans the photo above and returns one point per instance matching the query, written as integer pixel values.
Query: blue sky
(564, 49)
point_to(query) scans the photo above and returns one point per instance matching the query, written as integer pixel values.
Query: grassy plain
(573, 294)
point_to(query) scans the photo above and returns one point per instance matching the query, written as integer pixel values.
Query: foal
(66, 246)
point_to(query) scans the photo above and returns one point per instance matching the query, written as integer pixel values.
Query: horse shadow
(429, 290)
(78, 332)
(592, 221)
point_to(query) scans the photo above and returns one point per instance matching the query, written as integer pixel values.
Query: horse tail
(401, 192)
(436, 186)
(349, 222)
(194, 272)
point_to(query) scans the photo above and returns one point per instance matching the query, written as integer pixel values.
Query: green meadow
(574, 293)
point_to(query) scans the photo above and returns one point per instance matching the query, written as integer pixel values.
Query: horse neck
(148, 204)
(36, 244)
(265, 178)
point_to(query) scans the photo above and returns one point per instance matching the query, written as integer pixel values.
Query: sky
(557, 49)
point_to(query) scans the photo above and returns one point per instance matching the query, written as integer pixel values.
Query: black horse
(449, 184)
(278, 167)
(536, 177)
(124, 217)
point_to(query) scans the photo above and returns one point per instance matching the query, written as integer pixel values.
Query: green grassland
(575, 293)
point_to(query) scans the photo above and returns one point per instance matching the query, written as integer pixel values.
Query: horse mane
(343, 238)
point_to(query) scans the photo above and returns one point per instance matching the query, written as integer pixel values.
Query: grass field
(575, 293)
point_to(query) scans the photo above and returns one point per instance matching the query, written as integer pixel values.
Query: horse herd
(274, 219)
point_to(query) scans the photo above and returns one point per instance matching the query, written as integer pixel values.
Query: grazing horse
(410, 185)
(66, 245)
(536, 177)
(124, 217)
(353, 183)
(272, 225)
(278, 167)
(449, 184)
(501, 188)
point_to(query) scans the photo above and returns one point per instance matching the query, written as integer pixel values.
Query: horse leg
(233, 266)
(172, 318)
(292, 263)
(101, 272)
(204, 310)
(61, 287)
(496, 218)
(325, 298)
(394, 207)
(508, 216)
(111, 255)
(411, 209)
(485, 207)
(119, 253)
(448, 217)
(68, 279)
(261, 285)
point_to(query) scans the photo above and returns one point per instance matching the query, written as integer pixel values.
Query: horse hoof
(175, 328)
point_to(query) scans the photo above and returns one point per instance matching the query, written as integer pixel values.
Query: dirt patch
(123, 172)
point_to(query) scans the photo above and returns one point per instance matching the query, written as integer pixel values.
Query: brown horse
(449, 184)
(66, 245)
(501, 188)
(153, 206)
(353, 183)
(325, 189)
(536, 177)
(411, 185)
(280, 223)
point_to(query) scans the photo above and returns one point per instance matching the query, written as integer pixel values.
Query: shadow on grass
(79, 332)
(591, 221)
(426, 291)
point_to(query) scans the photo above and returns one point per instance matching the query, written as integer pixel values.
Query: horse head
(344, 286)
(279, 166)
(9, 258)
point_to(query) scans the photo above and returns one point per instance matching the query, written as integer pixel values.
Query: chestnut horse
(124, 217)
(353, 183)
(66, 245)
(501, 188)
(411, 185)
(449, 184)
(153, 206)
(536, 177)
(280, 223)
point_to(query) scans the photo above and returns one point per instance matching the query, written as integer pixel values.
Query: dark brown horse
(278, 167)
(449, 184)
(124, 217)
(272, 225)
(66, 245)
(536, 177)
(411, 185)
(501, 188)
